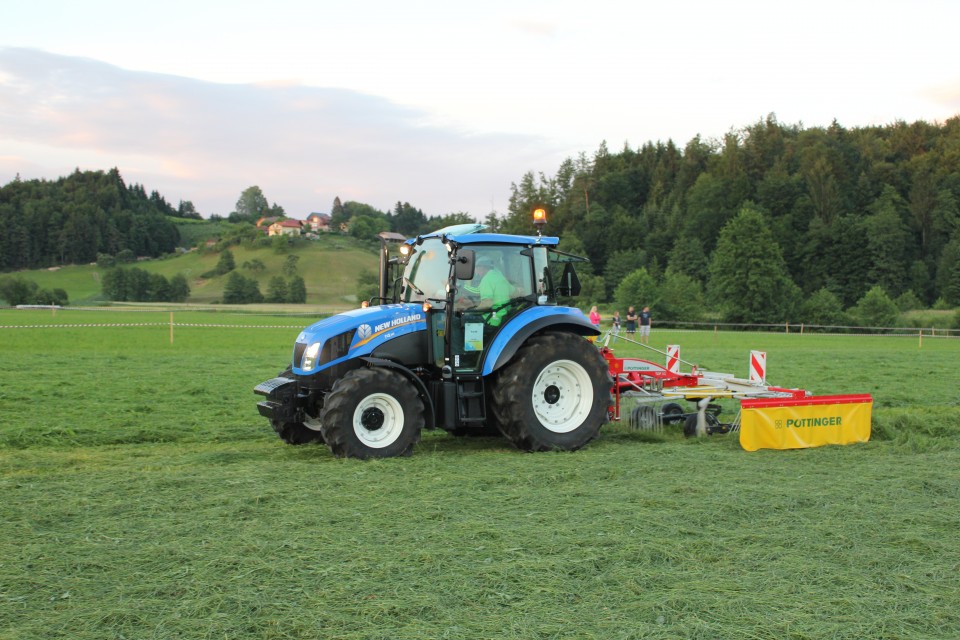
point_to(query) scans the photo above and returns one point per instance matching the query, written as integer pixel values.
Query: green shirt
(498, 289)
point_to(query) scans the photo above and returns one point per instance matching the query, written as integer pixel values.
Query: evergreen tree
(277, 289)
(251, 291)
(887, 242)
(226, 263)
(297, 290)
(159, 288)
(241, 290)
(407, 220)
(948, 272)
(179, 288)
(114, 285)
(748, 277)
(337, 215)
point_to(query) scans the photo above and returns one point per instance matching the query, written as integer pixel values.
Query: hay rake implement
(649, 395)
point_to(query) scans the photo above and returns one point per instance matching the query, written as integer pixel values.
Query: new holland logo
(364, 331)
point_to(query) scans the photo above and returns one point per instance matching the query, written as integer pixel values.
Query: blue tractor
(467, 335)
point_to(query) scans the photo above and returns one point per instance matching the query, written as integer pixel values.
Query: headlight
(310, 356)
(320, 353)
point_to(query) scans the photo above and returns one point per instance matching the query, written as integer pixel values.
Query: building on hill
(266, 221)
(285, 228)
(318, 222)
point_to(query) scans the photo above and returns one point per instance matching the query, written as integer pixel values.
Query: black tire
(671, 413)
(690, 424)
(644, 418)
(553, 395)
(372, 413)
(296, 432)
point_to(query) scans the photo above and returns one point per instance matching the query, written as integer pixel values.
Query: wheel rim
(312, 423)
(562, 396)
(378, 420)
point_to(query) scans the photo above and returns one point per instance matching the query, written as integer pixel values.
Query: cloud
(206, 142)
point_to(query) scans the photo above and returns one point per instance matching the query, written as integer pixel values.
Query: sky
(441, 104)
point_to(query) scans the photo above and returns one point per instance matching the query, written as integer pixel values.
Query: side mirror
(465, 265)
(569, 282)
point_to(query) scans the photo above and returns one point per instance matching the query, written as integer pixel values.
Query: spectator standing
(646, 320)
(594, 319)
(616, 324)
(631, 322)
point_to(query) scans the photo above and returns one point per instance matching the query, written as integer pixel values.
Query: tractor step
(471, 407)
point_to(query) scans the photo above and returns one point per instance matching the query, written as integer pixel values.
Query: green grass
(145, 498)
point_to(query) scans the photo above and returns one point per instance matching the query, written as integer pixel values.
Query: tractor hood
(352, 334)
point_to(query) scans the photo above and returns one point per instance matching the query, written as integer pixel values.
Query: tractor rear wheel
(553, 395)
(372, 413)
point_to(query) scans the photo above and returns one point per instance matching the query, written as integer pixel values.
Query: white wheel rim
(378, 420)
(313, 424)
(562, 396)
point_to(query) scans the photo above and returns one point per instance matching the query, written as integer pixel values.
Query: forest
(771, 223)
(768, 218)
(73, 219)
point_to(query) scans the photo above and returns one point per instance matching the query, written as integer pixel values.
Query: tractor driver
(494, 290)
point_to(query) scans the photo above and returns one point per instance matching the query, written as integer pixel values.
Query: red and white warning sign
(673, 358)
(758, 366)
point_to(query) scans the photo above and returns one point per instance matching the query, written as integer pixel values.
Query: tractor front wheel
(298, 432)
(553, 395)
(372, 413)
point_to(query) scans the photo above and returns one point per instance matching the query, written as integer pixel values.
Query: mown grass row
(145, 498)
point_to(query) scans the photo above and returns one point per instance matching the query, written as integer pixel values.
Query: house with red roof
(285, 228)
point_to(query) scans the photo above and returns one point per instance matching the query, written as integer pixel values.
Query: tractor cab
(473, 284)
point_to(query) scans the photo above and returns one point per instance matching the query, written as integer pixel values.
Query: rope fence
(715, 327)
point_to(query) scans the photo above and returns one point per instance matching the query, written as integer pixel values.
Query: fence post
(171, 327)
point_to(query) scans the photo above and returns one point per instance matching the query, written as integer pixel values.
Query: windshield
(427, 271)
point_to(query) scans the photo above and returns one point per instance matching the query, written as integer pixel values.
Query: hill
(329, 266)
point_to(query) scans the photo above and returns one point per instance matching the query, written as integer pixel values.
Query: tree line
(75, 218)
(771, 222)
(759, 223)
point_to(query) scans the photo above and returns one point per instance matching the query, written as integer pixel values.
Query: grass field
(143, 497)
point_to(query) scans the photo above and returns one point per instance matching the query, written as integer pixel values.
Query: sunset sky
(439, 104)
